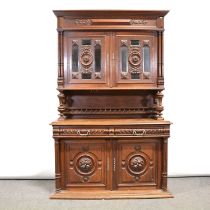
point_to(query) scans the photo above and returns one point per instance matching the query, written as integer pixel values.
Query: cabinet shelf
(85, 87)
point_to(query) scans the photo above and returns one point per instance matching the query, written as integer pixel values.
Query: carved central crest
(135, 58)
(86, 58)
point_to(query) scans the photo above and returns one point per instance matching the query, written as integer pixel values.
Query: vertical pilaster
(57, 166)
(164, 164)
(60, 59)
(61, 95)
(160, 80)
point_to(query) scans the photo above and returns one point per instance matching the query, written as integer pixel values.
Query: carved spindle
(62, 102)
(160, 59)
(164, 171)
(57, 166)
(158, 105)
(60, 60)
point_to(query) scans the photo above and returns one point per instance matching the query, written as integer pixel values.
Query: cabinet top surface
(91, 122)
(110, 13)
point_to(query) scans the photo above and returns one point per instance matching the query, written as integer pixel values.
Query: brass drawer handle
(83, 132)
(138, 132)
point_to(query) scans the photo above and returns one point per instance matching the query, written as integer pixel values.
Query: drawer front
(82, 132)
(140, 131)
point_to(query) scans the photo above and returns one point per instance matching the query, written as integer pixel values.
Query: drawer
(69, 131)
(141, 131)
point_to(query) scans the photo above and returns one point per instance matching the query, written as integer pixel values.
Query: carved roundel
(85, 164)
(135, 58)
(137, 163)
(86, 58)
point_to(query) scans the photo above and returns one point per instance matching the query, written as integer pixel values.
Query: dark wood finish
(111, 139)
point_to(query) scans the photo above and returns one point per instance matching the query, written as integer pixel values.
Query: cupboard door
(85, 59)
(85, 164)
(135, 59)
(138, 163)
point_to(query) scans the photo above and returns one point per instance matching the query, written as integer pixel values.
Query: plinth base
(106, 194)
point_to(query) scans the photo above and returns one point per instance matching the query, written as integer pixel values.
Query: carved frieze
(81, 132)
(111, 131)
(139, 110)
(141, 132)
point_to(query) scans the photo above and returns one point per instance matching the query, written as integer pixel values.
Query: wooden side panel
(138, 163)
(85, 164)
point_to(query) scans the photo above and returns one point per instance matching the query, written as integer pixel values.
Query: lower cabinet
(111, 161)
(110, 164)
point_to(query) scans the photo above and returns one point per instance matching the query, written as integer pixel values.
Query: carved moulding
(80, 132)
(142, 110)
(141, 132)
(111, 131)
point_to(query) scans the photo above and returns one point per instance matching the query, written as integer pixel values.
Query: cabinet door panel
(85, 58)
(136, 59)
(85, 163)
(137, 163)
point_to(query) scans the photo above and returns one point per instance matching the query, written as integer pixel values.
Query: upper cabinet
(114, 50)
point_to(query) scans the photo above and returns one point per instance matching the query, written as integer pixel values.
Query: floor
(189, 194)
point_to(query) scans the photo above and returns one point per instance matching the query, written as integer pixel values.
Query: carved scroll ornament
(138, 22)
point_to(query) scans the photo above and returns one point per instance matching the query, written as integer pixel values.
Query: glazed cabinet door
(86, 59)
(135, 59)
(84, 164)
(137, 163)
